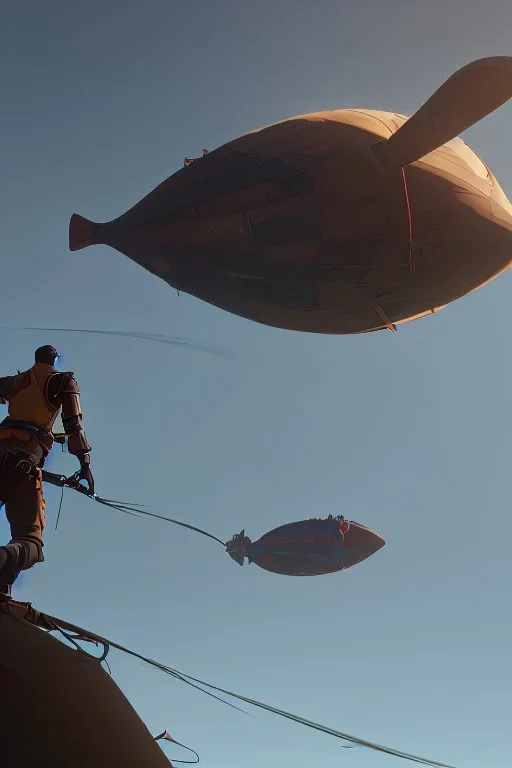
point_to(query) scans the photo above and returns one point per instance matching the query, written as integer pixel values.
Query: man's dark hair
(47, 355)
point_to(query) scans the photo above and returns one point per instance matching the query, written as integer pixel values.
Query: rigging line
(159, 338)
(60, 507)
(128, 509)
(60, 624)
(169, 738)
(182, 679)
(123, 503)
(132, 510)
(325, 729)
(282, 713)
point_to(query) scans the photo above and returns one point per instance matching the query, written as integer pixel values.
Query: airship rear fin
(472, 93)
(81, 233)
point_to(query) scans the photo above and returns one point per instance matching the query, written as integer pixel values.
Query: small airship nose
(361, 543)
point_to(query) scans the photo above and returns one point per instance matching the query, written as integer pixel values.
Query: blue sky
(408, 434)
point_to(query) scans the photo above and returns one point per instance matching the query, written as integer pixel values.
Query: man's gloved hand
(85, 472)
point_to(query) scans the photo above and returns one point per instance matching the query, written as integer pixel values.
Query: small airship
(339, 222)
(308, 547)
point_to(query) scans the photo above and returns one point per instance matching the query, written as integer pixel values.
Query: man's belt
(43, 436)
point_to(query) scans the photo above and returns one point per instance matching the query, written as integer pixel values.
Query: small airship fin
(237, 547)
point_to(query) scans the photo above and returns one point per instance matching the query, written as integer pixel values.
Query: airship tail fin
(81, 233)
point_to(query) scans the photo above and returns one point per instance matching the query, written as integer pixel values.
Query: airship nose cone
(361, 543)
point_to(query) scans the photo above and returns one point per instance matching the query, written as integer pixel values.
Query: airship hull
(60, 708)
(300, 226)
(314, 547)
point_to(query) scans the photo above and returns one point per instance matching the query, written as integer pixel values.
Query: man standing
(35, 398)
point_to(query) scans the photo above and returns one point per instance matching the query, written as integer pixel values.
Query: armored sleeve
(8, 386)
(67, 393)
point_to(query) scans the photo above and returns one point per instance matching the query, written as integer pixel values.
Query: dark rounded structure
(308, 547)
(346, 221)
(60, 707)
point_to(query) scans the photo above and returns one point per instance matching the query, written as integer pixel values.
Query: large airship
(61, 708)
(342, 222)
(308, 547)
